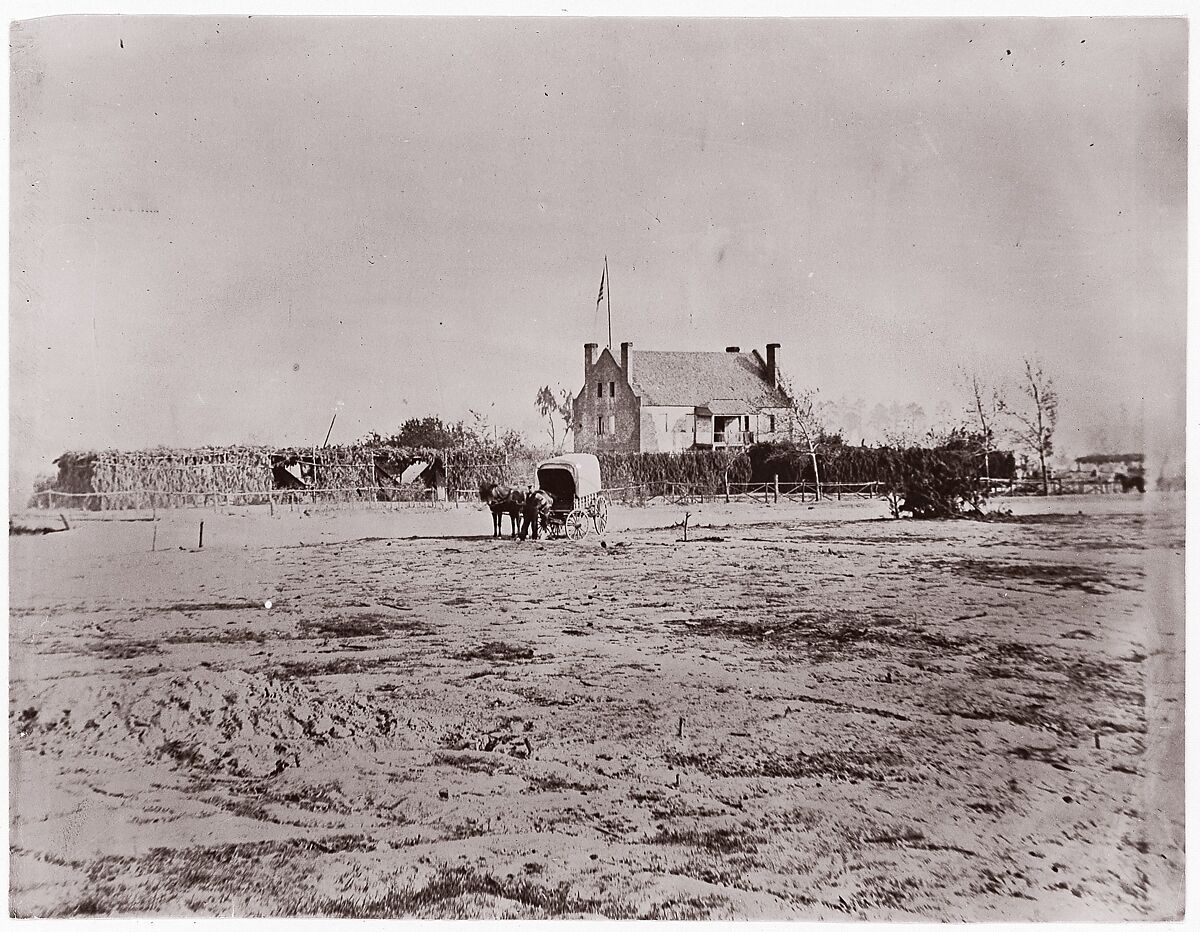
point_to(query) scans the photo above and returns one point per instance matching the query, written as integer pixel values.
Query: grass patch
(124, 650)
(713, 840)
(685, 908)
(470, 763)
(551, 783)
(454, 893)
(1051, 756)
(266, 871)
(822, 635)
(210, 606)
(497, 651)
(240, 636)
(1061, 576)
(337, 666)
(364, 625)
(848, 766)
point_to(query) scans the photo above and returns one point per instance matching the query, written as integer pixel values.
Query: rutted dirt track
(814, 717)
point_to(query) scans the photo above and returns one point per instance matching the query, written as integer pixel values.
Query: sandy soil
(802, 712)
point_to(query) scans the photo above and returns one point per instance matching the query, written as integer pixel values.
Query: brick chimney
(733, 349)
(772, 364)
(589, 357)
(627, 361)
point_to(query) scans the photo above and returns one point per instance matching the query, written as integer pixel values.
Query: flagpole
(608, 295)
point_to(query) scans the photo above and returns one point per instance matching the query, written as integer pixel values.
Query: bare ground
(804, 714)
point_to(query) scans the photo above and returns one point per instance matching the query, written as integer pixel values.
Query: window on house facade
(612, 389)
(770, 423)
(600, 425)
(612, 423)
(599, 389)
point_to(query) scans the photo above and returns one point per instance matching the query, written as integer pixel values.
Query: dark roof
(679, 378)
(1111, 458)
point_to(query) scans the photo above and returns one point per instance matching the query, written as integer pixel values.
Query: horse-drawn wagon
(572, 480)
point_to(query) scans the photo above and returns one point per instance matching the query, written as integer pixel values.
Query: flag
(600, 296)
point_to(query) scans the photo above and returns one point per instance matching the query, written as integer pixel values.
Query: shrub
(926, 482)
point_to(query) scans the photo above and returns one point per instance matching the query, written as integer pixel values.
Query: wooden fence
(152, 499)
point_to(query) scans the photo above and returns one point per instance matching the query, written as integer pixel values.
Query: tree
(984, 408)
(804, 422)
(512, 443)
(556, 407)
(424, 433)
(1034, 421)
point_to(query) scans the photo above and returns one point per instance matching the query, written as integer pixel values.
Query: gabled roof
(681, 378)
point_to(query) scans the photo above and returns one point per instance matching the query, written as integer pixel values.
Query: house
(1106, 472)
(1110, 465)
(668, 402)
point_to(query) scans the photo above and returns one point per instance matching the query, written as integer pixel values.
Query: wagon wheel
(576, 526)
(600, 514)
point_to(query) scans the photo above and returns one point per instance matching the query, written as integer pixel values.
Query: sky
(230, 229)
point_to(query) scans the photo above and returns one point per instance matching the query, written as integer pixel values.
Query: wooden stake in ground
(680, 732)
(201, 535)
(154, 539)
(66, 527)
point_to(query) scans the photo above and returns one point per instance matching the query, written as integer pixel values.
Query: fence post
(777, 488)
(726, 488)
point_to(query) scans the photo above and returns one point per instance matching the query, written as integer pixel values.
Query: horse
(536, 512)
(1131, 482)
(502, 500)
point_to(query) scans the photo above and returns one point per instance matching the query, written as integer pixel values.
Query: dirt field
(799, 713)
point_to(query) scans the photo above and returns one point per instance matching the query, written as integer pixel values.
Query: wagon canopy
(583, 468)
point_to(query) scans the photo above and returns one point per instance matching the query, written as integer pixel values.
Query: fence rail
(633, 494)
(119, 499)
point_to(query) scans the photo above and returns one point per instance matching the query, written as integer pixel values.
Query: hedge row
(850, 464)
(703, 471)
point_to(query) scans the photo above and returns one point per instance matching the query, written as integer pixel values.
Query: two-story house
(668, 402)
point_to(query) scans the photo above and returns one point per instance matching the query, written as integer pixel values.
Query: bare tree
(555, 407)
(804, 421)
(1036, 418)
(984, 410)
